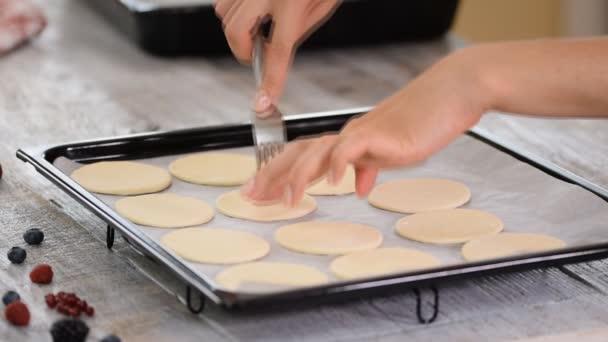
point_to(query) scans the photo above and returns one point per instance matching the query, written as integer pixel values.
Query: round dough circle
(232, 204)
(215, 246)
(122, 178)
(328, 238)
(507, 244)
(219, 169)
(345, 187)
(417, 195)
(381, 261)
(269, 273)
(448, 226)
(165, 210)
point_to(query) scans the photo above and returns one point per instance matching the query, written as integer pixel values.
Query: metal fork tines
(268, 127)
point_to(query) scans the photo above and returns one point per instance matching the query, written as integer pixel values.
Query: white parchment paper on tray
(525, 198)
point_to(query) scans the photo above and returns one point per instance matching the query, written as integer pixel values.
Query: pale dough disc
(448, 226)
(328, 238)
(381, 261)
(345, 187)
(272, 274)
(215, 246)
(219, 169)
(232, 204)
(122, 178)
(507, 244)
(165, 210)
(419, 194)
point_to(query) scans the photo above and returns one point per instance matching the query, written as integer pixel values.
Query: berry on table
(0, 171)
(33, 236)
(69, 330)
(9, 297)
(74, 312)
(51, 300)
(63, 309)
(41, 274)
(111, 338)
(16, 255)
(17, 313)
(69, 304)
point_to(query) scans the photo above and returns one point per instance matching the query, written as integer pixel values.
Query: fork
(268, 131)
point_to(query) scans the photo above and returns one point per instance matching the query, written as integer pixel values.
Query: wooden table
(83, 80)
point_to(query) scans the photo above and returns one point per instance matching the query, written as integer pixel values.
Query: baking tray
(190, 27)
(586, 236)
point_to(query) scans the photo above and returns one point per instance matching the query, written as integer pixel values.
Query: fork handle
(258, 58)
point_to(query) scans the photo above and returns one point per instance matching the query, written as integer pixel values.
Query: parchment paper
(525, 198)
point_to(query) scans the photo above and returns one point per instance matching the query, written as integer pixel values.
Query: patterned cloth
(20, 20)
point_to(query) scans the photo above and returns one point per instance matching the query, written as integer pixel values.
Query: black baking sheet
(584, 245)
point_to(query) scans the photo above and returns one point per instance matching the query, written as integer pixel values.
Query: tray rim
(137, 6)
(37, 157)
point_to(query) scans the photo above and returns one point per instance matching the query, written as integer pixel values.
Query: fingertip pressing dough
(328, 238)
(215, 245)
(507, 244)
(234, 205)
(165, 210)
(219, 169)
(345, 187)
(271, 274)
(122, 178)
(448, 226)
(381, 261)
(419, 195)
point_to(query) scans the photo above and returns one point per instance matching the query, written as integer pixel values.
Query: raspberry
(89, 311)
(42, 274)
(69, 330)
(17, 313)
(9, 297)
(33, 236)
(111, 338)
(0, 171)
(16, 255)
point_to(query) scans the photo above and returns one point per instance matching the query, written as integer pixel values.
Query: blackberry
(33, 236)
(111, 338)
(16, 255)
(9, 297)
(69, 330)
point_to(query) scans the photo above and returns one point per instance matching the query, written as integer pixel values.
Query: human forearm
(543, 77)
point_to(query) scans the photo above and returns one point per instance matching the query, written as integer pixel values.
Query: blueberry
(111, 338)
(16, 255)
(9, 297)
(33, 236)
(69, 330)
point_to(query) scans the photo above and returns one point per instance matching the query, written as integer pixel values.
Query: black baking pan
(170, 28)
(222, 137)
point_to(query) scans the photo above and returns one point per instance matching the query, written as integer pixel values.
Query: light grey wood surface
(83, 80)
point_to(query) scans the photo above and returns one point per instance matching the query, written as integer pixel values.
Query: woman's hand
(407, 127)
(293, 20)
(543, 77)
